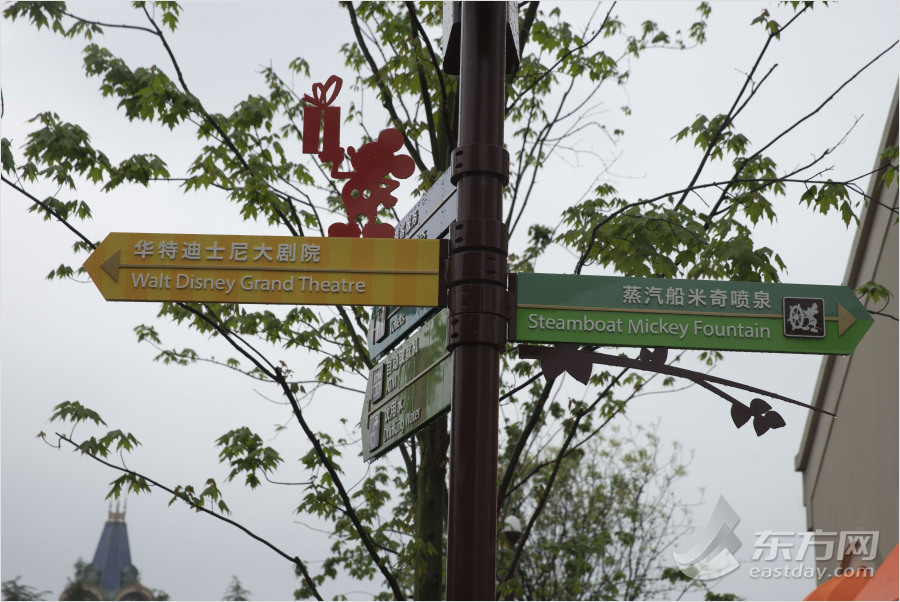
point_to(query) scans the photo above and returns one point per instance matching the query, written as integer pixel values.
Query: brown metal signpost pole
(477, 293)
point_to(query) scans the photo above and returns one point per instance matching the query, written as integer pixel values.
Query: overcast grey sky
(61, 341)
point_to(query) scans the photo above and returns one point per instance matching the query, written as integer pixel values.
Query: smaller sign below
(408, 389)
(432, 215)
(390, 325)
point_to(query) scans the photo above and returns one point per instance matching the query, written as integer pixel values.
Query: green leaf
(123, 441)
(872, 291)
(245, 453)
(9, 163)
(74, 412)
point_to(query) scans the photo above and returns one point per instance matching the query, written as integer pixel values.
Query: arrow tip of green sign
(845, 319)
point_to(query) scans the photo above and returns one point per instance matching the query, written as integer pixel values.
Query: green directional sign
(407, 389)
(687, 314)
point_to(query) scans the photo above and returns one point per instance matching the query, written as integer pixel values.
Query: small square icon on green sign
(377, 383)
(380, 321)
(804, 317)
(374, 431)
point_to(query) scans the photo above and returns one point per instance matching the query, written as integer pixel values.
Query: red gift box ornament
(323, 96)
(369, 184)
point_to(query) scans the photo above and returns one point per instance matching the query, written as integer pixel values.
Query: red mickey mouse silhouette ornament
(369, 185)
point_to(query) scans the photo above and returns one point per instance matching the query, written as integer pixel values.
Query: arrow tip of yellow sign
(845, 319)
(111, 265)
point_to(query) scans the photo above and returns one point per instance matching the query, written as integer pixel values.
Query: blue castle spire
(111, 575)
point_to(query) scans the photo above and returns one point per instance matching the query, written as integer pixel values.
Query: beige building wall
(850, 465)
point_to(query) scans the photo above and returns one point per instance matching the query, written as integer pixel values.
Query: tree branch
(357, 342)
(438, 70)
(209, 118)
(570, 435)
(560, 60)
(513, 462)
(730, 115)
(50, 210)
(797, 123)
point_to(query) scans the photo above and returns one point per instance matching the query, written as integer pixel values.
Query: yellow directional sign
(268, 269)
